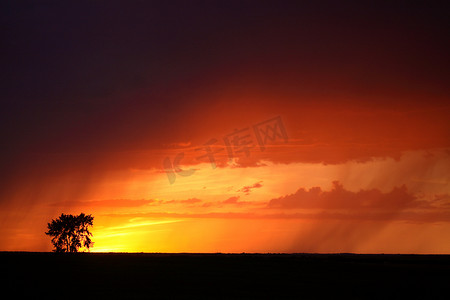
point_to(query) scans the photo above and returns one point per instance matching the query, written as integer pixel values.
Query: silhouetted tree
(70, 233)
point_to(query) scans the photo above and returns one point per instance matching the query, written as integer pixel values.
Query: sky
(227, 126)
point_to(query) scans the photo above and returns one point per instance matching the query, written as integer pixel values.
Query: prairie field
(224, 276)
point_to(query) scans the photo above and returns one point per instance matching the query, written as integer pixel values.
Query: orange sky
(362, 165)
(348, 179)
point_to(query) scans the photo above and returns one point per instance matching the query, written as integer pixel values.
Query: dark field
(123, 276)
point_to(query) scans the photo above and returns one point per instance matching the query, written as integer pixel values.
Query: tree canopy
(70, 233)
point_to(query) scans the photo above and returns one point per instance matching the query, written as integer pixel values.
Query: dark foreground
(212, 276)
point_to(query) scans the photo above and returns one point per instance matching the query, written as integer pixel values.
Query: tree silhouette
(70, 233)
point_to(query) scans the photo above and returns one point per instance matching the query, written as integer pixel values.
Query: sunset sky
(227, 126)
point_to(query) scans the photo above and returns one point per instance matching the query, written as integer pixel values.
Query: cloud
(191, 201)
(412, 217)
(187, 201)
(178, 145)
(235, 201)
(340, 198)
(440, 200)
(231, 200)
(107, 203)
(247, 189)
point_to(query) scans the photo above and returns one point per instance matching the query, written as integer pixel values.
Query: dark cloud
(247, 189)
(123, 203)
(85, 87)
(65, 65)
(231, 200)
(187, 201)
(106, 203)
(409, 216)
(339, 198)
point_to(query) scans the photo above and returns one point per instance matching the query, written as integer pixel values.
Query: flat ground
(235, 276)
